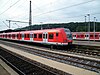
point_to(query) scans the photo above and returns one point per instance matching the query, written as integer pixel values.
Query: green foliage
(73, 26)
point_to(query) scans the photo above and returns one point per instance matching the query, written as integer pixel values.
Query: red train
(86, 35)
(58, 36)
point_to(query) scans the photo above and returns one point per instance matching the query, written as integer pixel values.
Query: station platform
(60, 66)
(5, 69)
(88, 43)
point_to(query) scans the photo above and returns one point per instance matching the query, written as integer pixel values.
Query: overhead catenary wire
(9, 7)
(23, 15)
(64, 8)
(43, 5)
(83, 15)
(4, 4)
(75, 16)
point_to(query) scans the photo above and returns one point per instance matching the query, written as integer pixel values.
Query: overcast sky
(47, 11)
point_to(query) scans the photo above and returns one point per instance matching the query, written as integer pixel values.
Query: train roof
(44, 30)
(39, 31)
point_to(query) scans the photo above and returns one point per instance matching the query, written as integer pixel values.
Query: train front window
(68, 33)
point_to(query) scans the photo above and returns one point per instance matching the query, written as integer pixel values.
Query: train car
(86, 36)
(58, 36)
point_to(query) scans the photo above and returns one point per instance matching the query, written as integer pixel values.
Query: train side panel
(49, 36)
(86, 35)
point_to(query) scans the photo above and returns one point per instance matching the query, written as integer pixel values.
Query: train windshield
(68, 33)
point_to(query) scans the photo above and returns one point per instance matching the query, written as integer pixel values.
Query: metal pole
(94, 28)
(95, 24)
(89, 26)
(30, 16)
(41, 25)
(85, 23)
(9, 24)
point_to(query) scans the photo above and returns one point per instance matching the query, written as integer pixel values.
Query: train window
(51, 36)
(40, 36)
(96, 35)
(20, 35)
(91, 35)
(25, 35)
(57, 34)
(13, 35)
(78, 35)
(28, 36)
(35, 35)
(43, 35)
(46, 36)
(9, 35)
(6, 35)
(82, 35)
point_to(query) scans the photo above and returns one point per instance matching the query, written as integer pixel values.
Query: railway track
(22, 66)
(89, 64)
(89, 51)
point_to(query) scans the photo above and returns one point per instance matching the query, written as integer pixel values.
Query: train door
(86, 36)
(45, 37)
(22, 36)
(31, 36)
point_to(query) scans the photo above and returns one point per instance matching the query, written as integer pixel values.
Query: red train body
(86, 35)
(58, 36)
